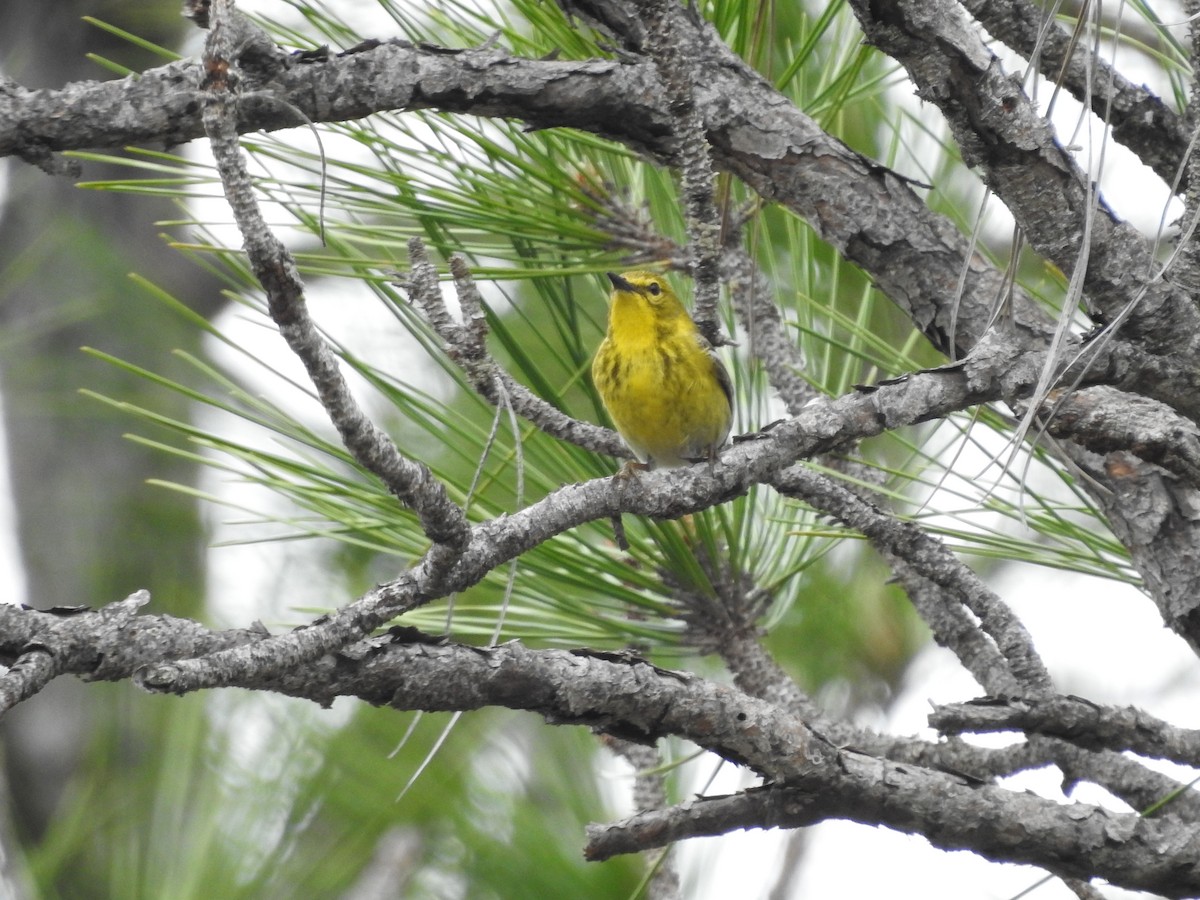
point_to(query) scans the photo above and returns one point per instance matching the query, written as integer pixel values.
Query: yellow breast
(664, 389)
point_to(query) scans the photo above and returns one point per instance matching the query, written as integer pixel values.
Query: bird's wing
(719, 369)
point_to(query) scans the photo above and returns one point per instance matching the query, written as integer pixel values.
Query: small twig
(619, 538)
(1083, 890)
(1123, 776)
(35, 668)
(1077, 721)
(725, 622)
(466, 346)
(695, 163)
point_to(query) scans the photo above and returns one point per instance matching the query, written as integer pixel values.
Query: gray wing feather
(719, 369)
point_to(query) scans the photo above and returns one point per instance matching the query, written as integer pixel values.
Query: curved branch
(113, 644)
(914, 255)
(941, 587)
(631, 699)
(998, 129)
(1089, 725)
(1124, 849)
(1154, 518)
(1140, 119)
(411, 482)
(465, 345)
(995, 370)
(870, 215)
(1104, 419)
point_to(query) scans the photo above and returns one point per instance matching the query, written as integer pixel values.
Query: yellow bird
(664, 387)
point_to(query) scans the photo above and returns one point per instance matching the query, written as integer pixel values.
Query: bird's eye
(654, 288)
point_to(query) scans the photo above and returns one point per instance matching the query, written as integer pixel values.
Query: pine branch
(1104, 419)
(1140, 120)
(948, 595)
(877, 793)
(914, 255)
(631, 699)
(998, 129)
(820, 427)
(466, 345)
(1075, 720)
(411, 482)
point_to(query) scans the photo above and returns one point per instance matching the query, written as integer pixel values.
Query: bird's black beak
(620, 283)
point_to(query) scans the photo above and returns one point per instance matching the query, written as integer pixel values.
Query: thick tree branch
(1140, 120)
(872, 217)
(998, 130)
(1104, 419)
(625, 698)
(859, 207)
(634, 700)
(111, 643)
(603, 694)
(1154, 518)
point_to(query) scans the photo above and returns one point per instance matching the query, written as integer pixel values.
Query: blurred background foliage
(259, 796)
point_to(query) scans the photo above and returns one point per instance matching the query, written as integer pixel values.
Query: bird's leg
(632, 469)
